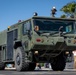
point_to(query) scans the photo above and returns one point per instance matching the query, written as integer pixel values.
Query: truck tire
(2, 65)
(32, 66)
(20, 63)
(58, 63)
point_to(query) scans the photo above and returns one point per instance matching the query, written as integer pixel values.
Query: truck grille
(43, 47)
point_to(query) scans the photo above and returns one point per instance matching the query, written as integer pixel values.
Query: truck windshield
(54, 25)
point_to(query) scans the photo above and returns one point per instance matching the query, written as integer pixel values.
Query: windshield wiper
(43, 33)
(54, 33)
(47, 33)
(67, 33)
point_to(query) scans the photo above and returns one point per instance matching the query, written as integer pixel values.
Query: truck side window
(26, 27)
(15, 34)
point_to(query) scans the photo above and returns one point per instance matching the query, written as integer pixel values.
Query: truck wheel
(58, 63)
(2, 65)
(32, 66)
(20, 57)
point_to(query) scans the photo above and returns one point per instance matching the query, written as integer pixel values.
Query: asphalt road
(41, 72)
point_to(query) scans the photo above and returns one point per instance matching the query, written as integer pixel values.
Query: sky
(11, 11)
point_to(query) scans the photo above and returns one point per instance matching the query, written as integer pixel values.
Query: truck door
(26, 38)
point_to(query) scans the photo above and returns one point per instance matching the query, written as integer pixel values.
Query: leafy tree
(69, 9)
(63, 16)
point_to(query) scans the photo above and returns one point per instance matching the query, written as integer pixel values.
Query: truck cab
(38, 39)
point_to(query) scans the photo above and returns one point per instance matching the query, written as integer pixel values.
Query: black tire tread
(24, 64)
(59, 63)
(32, 66)
(2, 65)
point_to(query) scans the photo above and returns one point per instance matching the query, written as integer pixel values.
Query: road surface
(40, 72)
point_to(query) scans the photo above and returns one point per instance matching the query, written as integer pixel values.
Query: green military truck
(38, 39)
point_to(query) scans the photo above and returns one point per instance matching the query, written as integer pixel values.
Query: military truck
(38, 40)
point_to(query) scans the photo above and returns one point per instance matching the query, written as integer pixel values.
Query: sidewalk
(10, 68)
(43, 68)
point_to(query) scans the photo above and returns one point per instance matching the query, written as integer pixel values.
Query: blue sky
(13, 10)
